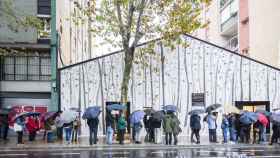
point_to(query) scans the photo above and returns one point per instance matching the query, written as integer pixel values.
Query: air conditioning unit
(233, 44)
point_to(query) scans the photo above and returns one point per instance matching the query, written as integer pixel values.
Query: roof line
(201, 40)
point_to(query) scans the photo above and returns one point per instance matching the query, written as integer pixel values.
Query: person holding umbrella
(212, 126)
(121, 127)
(59, 125)
(225, 127)
(32, 128)
(136, 121)
(110, 124)
(195, 127)
(175, 128)
(91, 114)
(167, 127)
(19, 127)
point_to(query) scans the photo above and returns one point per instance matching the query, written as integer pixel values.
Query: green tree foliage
(124, 23)
(16, 20)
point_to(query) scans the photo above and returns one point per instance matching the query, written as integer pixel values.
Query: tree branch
(129, 19)
(121, 25)
(138, 34)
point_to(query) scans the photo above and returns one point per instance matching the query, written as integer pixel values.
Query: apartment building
(250, 27)
(25, 71)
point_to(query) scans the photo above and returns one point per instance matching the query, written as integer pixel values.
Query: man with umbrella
(212, 126)
(195, 124)
(136, 121)
(91, 114)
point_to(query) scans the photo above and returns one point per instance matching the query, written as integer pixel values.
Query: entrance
(253, 106)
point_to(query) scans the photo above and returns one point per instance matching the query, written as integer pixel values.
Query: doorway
(252, 106)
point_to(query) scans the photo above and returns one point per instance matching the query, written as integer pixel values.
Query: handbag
(17, 127)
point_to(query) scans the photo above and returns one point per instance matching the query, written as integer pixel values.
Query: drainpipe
(54, 85)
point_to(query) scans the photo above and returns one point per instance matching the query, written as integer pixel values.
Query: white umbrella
(68, 116)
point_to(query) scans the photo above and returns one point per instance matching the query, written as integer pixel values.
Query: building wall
(22, 8)
(264, 30)
(243, 27)
(75, 39)
(224, 77)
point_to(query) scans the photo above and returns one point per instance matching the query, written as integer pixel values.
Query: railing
(25, 68)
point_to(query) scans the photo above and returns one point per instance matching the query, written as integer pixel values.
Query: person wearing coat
(212, 126)
(156, 124)
(93, 129)
(225, 128)
(19, 127)
(167, 127)
(5, 126)
(109, 127)
(195, 127)
(276, 133)
(232, 127)
(175, 125)
(32, 128)
(121, 127)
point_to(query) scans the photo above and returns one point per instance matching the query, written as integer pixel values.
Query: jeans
(232, 133)
(212, 135)
(68, 131)
(168, 138)
(245, 134)
(175, 136)
(109, 135)
(93, 132)
(262, 133)
(196, 133)
(20, 137)
(225, 134)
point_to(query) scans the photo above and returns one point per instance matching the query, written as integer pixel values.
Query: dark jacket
(195, 122)
(93, 123)
(155, 123)
(109, 120)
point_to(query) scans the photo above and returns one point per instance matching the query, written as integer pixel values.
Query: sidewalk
(84, 144)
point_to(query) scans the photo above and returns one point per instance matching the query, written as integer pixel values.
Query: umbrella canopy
(213, 107)
(48, 115)
(275, 117)
(116, 107)
(26, 114)
(266, 113)
(91, 112)
(68, 116)
(137, 116)
(196, 111)
(170, 108)
(158, 115)
(231, 109)
(248, 117)
(262, 118)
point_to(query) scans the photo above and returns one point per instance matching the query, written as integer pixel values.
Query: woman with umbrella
(136, 121)
(110, 124)
(32, 127)
(19, 127)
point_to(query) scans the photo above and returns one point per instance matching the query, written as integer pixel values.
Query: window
(229, 10)
(26, 68)
(45, 33)
(44, 7)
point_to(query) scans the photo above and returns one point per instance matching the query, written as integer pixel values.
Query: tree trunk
(129, 54)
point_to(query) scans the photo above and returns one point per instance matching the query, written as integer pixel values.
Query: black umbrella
(158, 115)
(213, 107)
(196, 111)
(149, 111)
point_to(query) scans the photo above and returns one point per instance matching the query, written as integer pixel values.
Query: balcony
(229, 18)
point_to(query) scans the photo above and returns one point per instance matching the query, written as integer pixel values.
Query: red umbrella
(262, 118)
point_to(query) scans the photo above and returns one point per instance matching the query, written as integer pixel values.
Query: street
(144, 152)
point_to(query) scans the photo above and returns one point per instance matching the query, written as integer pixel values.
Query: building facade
(243, 26)
(221, 76)
(25, 70)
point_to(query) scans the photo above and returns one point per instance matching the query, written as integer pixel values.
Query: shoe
(198, 142)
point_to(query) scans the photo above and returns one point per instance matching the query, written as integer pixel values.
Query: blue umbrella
(116, 107)
(275, 117)
(249, 117)
(26, 114)
(266, 113)
(91, 112)
(196, 111)
(170, 108)
(137, 116)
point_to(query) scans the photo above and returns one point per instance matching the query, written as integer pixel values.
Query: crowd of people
(233, 128)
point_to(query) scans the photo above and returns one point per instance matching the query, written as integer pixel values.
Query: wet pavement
(214, 151)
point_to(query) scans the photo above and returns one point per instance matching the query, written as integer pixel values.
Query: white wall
(25, 86)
